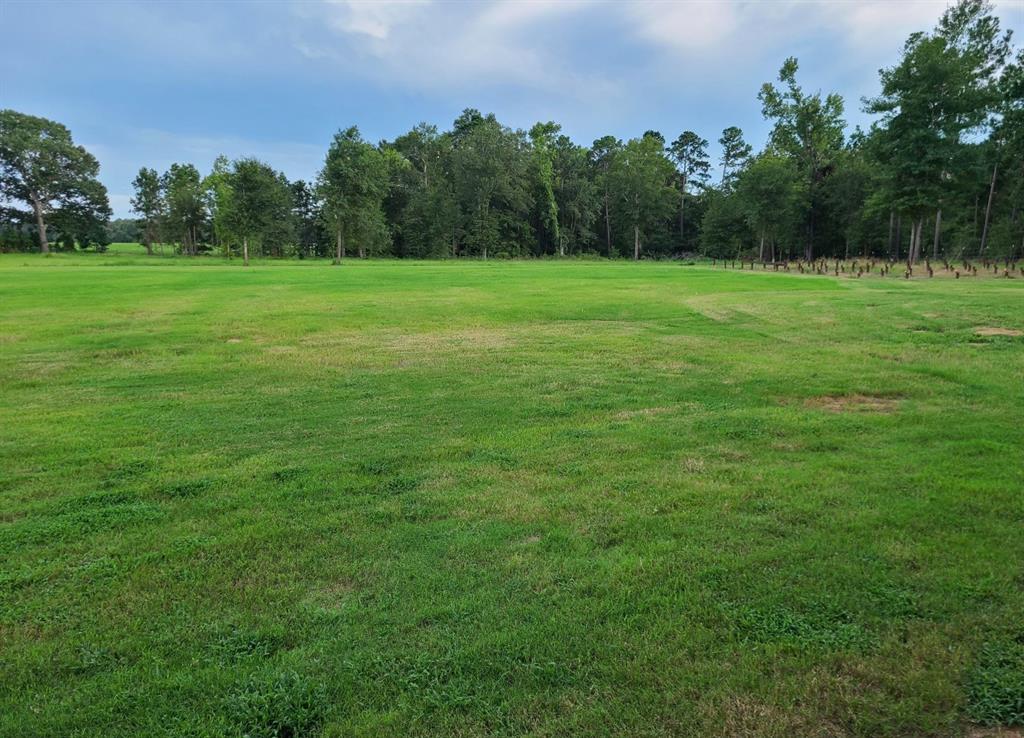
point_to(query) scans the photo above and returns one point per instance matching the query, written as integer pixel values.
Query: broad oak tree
(40, 166)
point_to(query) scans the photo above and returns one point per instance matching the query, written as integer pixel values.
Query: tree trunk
(607, 226)
(636, 243)
(810, 238)
(892, 225)
(760, 254)
(338, 248)
(988, 209)
(37, 207)
(899, 234)
(938, 231)
(245, 251)
(682, 215)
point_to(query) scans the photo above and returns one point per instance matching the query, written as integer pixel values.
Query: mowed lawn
(468, 499)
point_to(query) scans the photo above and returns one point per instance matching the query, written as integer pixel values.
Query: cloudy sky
(150, 83)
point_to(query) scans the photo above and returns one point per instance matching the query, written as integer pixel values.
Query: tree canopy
(41, 167)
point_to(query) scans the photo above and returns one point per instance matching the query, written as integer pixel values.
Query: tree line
(942, 162)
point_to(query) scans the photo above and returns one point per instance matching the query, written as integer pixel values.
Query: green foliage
(148, 202)
(352, 185)
(542, 140)
(640, 183)
(809, 130)
(186, 213)
(258, 211)
(735, 152)
(41, 167)
(725, 232)
(769, 191)
(490, 166)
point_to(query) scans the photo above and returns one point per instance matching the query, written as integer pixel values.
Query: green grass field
(468, 499)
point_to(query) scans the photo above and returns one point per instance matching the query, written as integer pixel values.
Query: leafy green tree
(945, 85)
(724, 230)
(148, 202)
(186, 206)
(42, 167)
(640, 179)
(809, 129)
(258, 210)
(846, 194)
(576, 194)
(690, 153)
(767, 191)
(735, 152)
(306, 217)
(216, 189)
(124, 230)
(1008, 137)
(542, 137)
(352, 186)
(602, 153)
(422, 202)
(490, 173)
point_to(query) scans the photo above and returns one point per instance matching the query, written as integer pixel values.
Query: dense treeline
(942, 163)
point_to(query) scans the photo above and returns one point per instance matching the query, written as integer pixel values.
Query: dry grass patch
(693, 465)
(990, 330)
(331, 597)
(854, 403)
(644, 412)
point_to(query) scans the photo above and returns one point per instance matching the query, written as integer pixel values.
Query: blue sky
(150, 83)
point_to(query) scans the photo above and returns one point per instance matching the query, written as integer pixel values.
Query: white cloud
(684, 27)
(373, 18)
(726, 29)
(451, 47)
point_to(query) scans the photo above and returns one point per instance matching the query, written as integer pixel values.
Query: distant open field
(506, 498)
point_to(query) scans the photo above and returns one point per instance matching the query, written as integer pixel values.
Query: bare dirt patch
(854, 403)
(990, 330)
